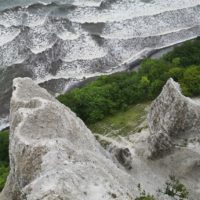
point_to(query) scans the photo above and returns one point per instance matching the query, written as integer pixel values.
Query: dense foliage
(4, 158)
(109, 94)
(188, 53)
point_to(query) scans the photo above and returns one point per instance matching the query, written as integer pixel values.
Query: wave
(42, 54)
(125, 10)
(76, 39)
(28, 4)
(8, 34)
(16, 5)
(4, 123)
(165, 22)
(79, 68)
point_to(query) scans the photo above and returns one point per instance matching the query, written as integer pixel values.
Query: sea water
(58, 42)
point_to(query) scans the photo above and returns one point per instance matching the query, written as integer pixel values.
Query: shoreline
(155, 53)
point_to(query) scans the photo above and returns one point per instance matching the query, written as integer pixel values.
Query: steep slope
(173, 117)
(53, 155)
(168, 143)
(174, 140)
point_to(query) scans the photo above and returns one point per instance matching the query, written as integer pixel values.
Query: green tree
(176, 62)
(176, 73)
(155, 88)
(109, 94)
(155, 69)
(191, 78)
(144, 82)
(188, 53)
(4, 171)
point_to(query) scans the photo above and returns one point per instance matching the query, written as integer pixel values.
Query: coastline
(134, 65)
(156, 53)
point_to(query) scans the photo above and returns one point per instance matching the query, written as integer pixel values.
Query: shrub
(4, 171)
(109, 94)
(186, 54)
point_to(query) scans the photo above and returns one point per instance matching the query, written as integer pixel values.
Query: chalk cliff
(53, 155)
(172, 116)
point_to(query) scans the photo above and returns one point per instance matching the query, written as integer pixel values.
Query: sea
(59, 43)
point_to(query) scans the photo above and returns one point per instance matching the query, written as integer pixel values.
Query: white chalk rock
(172, 115)
(53, 155)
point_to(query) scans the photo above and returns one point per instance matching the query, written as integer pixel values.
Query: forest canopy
(112, 93)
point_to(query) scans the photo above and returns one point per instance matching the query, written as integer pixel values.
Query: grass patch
(122, 123)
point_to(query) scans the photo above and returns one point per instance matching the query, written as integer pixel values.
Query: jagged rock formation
(159, 144)
(123, 155)
(168, 145)
(172, 115)
(53, 155)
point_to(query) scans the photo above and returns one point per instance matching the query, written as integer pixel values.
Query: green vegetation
(126, 95)
(4, 158)
(123, 122)
(110, 94)
(145, 197)
(187, 54)
(4, 171)
(176, 189)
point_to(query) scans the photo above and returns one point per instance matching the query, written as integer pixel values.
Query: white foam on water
(26, 3)
(66, 35)
(4, 123)
(145, 26)
(87, 3)
(74, 77)
(7, 35)
(128, 9)
(22, 17)
(40, 49)
(78, 72)
(83, 48)
(52, 42)
(10, 53)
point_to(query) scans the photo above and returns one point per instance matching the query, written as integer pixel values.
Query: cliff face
(174, 136)
(172, 116)
(168, 144)
(53, 155)
(174, 113)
